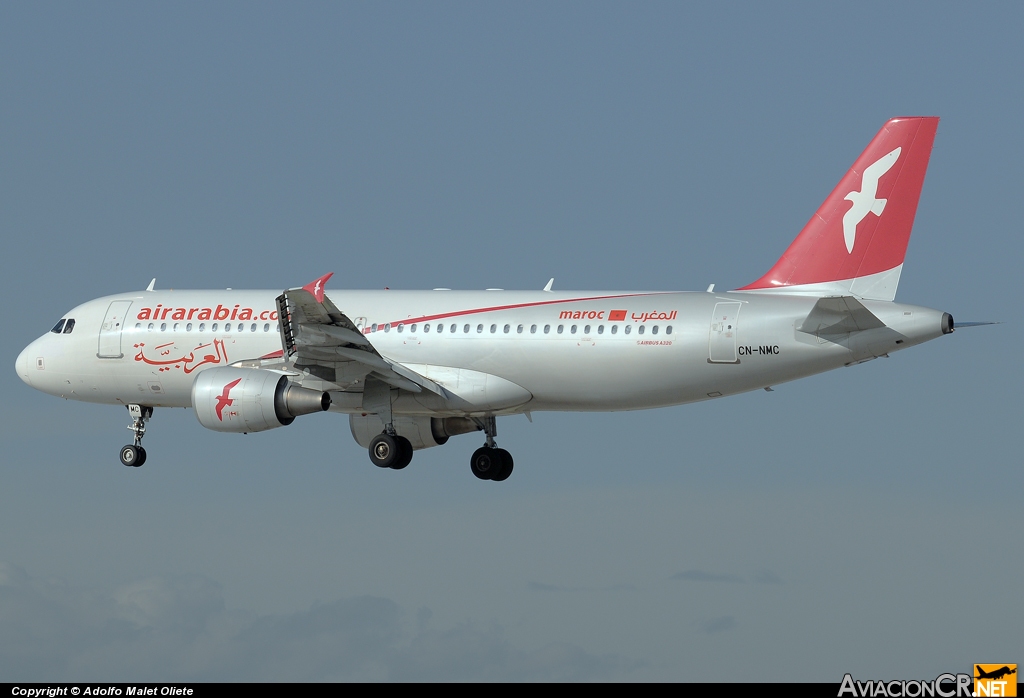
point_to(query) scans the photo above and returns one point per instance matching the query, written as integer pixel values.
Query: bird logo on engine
(223, 400)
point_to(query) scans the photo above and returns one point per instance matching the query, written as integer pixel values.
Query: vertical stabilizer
(855, 243)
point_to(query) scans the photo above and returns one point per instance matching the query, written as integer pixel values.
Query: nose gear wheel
(134, 455)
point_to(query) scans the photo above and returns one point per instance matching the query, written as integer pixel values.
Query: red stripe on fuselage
(476, 311)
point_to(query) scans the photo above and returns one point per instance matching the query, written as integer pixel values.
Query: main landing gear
(490, 462)
(389, 450)
(134, 455)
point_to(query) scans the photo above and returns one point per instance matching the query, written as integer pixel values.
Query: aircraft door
(722, 343)
(110, 330)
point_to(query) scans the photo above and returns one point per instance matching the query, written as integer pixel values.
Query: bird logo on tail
(864, 201)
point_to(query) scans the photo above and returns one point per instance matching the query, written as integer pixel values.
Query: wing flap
(315, 332)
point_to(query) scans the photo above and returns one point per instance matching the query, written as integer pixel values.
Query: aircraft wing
(836, 315)
(316, 334)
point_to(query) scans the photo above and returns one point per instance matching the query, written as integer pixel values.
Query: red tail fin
(856, 242)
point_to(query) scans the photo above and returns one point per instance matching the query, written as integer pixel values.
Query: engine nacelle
(251, 399)
(422, 432)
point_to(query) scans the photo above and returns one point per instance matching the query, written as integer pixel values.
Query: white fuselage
(510, 351)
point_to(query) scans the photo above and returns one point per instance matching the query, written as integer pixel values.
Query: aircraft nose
(23, 364)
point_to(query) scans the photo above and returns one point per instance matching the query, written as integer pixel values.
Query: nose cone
(23, 364)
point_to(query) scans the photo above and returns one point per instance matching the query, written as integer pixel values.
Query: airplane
(414, 368)
(995, 674)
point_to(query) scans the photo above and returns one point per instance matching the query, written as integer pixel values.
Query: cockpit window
(70, 325)
(58, 327)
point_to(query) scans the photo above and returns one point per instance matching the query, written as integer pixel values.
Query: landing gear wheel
(487, 462)
(385, 450)
(506, 465)
(404, 453)
(132, 456)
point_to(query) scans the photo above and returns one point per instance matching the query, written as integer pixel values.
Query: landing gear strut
(387, 449)
(134, 455)
(490, 462)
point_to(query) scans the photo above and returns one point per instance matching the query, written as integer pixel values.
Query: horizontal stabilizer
(839, 315)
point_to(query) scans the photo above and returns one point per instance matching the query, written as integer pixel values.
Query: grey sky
(866, 520)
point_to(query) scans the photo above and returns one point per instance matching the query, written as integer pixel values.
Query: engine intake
(241, 400)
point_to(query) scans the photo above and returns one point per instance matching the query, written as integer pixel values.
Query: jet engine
(251, 399)
(422, 432)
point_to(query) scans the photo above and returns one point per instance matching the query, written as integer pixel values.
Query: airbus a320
(413, 368)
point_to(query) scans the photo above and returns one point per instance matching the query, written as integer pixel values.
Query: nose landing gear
(134, 455)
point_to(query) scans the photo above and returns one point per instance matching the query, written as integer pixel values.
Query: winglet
(550, 283)
(317, 287)
(152, 284)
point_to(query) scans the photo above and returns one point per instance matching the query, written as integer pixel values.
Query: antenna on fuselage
(151, 284)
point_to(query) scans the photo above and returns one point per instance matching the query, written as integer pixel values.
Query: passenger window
(175, 328)
(440, 327)
(479, 329)
(494, 328)
(668, 330)
(600, 329)
(387, 327)
(519, 329)
(150, 327)
(547, 329)
(138, 325)
(426, 328)
(58, 327)
(560, 328)
(373, 327)
(465, 329)
(188, 327)
(227, 326)
(628, 328)
(413, 328)
(640, 330)
(266, 327)
(69, 325)
(573, 330)
(277, 328)
(615, 329)
(586, 330)
(654, 330)
(213, 327)
(507, 327)
(202, 327)
(252, 327)
(401, 327)
(533, 329)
